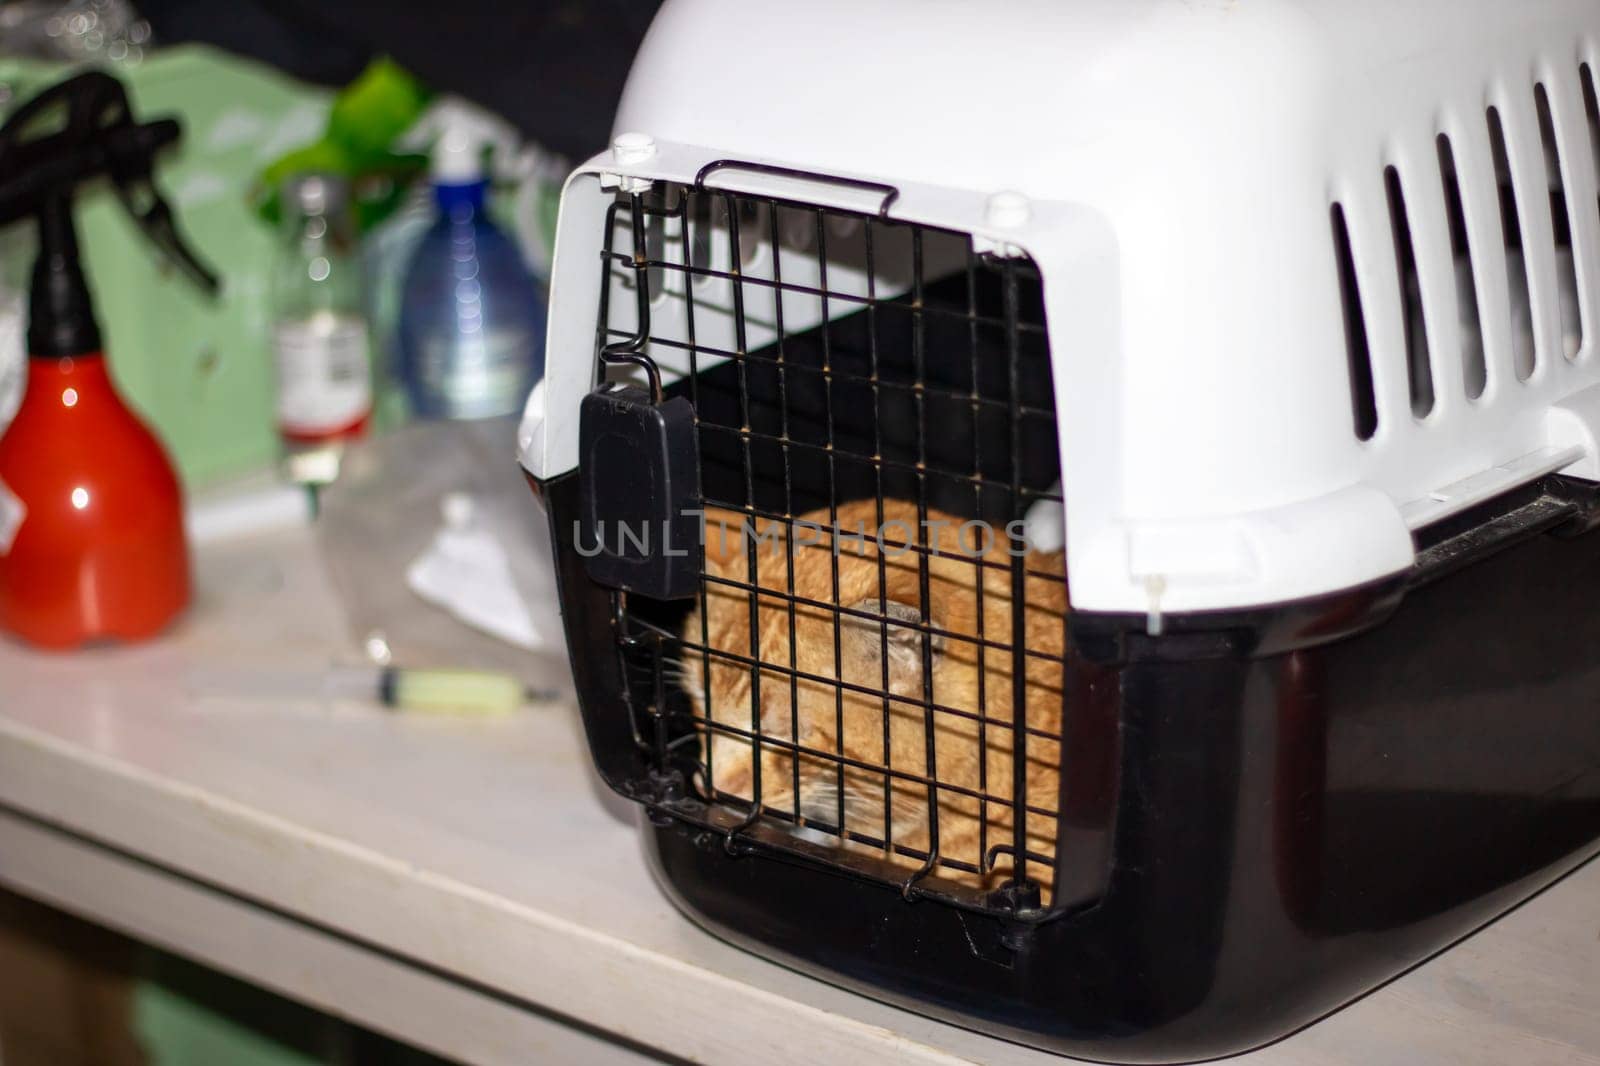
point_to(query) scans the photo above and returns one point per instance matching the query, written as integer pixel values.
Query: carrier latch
(640, 481)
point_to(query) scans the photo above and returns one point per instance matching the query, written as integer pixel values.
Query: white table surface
(469, 886)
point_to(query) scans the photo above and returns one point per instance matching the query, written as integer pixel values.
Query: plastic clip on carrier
(91, 516)
(641, 475)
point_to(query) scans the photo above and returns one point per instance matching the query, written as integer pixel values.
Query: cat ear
(865, 641)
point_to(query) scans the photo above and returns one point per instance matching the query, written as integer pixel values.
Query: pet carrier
(1281, 317)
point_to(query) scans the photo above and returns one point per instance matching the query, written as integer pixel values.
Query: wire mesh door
(872, 671)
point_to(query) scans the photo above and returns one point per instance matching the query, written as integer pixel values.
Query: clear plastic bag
(387, 508)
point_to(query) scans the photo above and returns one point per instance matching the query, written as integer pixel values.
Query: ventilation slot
(1591, 108)
(655, 250)
(1561, 225)
(1474, 371)
(700, 228)
(1522, 354)
(1363, 403)
(1419, 370)
(750, 228)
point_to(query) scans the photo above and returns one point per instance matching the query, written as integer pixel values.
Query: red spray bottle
(92, 542)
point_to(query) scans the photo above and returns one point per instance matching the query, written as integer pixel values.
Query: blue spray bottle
(472, 317)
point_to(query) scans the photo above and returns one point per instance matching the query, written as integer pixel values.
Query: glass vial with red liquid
(320, 341)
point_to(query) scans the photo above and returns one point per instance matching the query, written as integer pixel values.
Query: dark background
(553, 68)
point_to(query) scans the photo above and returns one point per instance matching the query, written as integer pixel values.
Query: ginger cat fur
(970, 680)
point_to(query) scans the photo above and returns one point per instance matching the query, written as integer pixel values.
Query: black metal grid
(927, 387)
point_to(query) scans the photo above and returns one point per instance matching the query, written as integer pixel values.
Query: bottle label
(12, 512)
(324, 372)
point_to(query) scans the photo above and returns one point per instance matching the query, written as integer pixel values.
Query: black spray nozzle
(60, 314)
(73, 132)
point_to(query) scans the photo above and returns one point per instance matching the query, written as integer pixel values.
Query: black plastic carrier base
(1270, 813)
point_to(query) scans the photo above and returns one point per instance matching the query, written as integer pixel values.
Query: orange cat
(972, 759)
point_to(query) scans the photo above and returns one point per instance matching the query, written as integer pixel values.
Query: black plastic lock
(640, 484)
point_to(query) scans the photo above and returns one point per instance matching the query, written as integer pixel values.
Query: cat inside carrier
(1133, 616)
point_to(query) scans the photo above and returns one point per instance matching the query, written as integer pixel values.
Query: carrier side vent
(1474, 370)
(1419, 370)
(1363, 402)
(1405, 199)
(1591, 108)
(701, 224)
(1572, 324)
(1523, 356)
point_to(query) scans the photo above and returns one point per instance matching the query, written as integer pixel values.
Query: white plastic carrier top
(1185, 168)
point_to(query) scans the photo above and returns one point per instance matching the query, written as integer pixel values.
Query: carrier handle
(889, 192)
